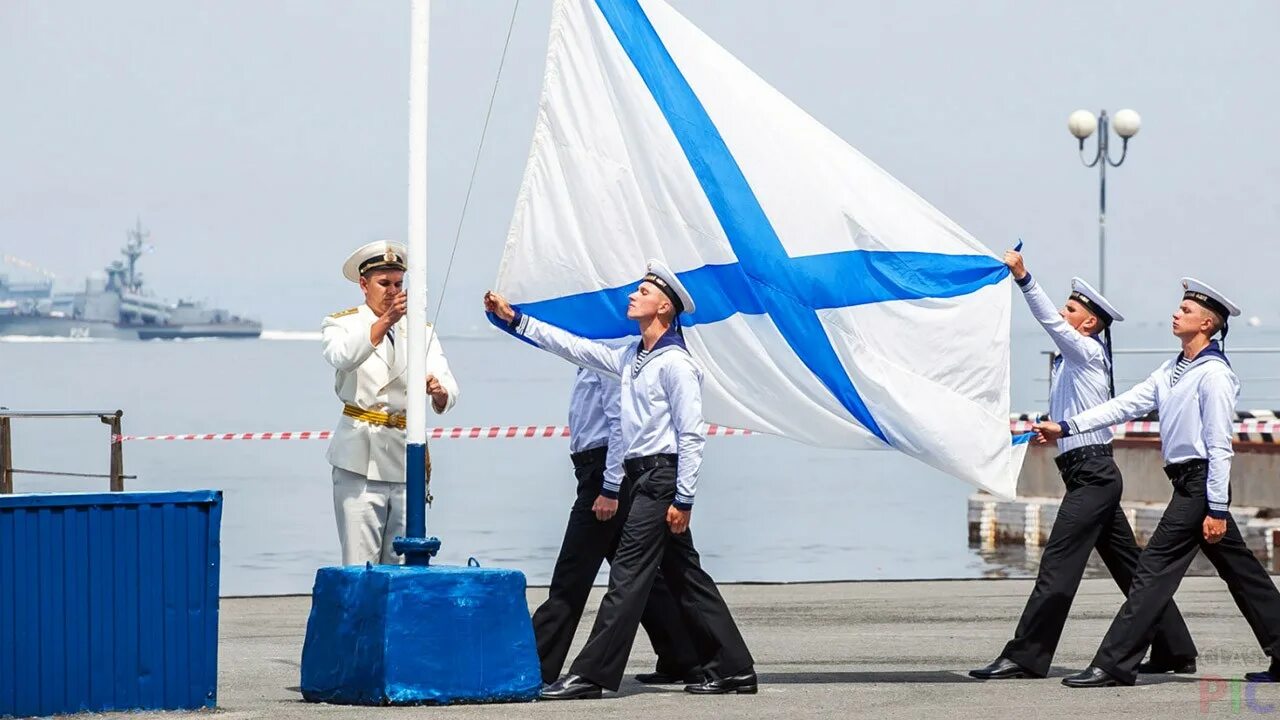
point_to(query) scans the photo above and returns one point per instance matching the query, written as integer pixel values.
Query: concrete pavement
(840, 650)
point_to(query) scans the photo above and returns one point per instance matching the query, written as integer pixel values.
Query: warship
(115, 306)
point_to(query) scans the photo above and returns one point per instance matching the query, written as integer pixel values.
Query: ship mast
(133, 250)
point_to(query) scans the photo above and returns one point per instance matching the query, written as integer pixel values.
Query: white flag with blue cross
(835, 306)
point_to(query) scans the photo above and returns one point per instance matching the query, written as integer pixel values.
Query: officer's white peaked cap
(377, 255)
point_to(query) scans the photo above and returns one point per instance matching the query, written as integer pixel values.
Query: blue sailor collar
(669, 340)
(1211, 351)
(670, 337)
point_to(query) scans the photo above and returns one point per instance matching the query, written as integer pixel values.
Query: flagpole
(416, 546)
(481, 647)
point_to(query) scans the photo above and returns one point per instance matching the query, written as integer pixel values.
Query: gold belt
(374, 417)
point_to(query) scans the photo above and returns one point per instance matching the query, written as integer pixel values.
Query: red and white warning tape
(1267, 431)
(440, 433)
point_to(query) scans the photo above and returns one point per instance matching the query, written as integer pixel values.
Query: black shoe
(571, 687)
(1093, 676)
(1270, 675)
(661, 678)
(742, 683)
(1177, 666)
(1002, 668)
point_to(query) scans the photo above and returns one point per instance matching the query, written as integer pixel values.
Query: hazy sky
(262, 140)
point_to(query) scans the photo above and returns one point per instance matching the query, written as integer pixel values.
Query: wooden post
(117, 452)
(6, 457)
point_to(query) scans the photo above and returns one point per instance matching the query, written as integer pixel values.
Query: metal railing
(108, 417)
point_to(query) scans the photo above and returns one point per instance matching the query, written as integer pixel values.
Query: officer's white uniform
(367, 449)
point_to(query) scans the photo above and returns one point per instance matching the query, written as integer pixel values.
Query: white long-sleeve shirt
(661, 396)
(1196, 417)
(595, 420)
(1081, 377)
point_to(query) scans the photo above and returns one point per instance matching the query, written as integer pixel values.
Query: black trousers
(1165, 560)
(587, 543)
(646, 546)
(1089, 517)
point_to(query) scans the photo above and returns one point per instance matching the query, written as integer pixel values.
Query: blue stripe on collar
(1213, 349)
(670, 337)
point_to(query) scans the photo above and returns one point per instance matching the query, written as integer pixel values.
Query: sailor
(595, 446)
(366, 345)
(1089, 516)
(1195, 393)
(663, 439)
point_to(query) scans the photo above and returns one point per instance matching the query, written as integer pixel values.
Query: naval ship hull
(81, 329)
(188, 332)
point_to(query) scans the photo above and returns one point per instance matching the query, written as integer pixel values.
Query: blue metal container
(108, 601)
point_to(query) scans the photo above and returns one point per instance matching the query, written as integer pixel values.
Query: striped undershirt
(640, 356)
(1183, 362)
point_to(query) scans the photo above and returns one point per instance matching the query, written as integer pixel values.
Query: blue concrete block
(390, 635)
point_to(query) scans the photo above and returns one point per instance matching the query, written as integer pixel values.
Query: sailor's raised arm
(1071, 343)
(345, 340)
(589, 354)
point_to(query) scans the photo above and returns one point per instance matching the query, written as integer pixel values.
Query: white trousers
(370, 514)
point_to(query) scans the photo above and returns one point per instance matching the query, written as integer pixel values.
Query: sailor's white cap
(661, 275)
(1208, 297)
(377, 255)
(1094, 301)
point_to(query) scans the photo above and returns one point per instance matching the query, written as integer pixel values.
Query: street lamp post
(1082, 123)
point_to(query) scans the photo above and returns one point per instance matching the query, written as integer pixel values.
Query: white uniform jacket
(373, 378)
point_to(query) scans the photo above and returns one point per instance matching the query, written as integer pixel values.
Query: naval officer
(663, 438)
(1195, 393)
(591, 537)
(366, 345)
(1089, 516)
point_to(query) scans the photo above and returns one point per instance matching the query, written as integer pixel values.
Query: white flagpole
(416, 279)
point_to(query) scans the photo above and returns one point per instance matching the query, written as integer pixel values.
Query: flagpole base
(417, 551)
(397, 635)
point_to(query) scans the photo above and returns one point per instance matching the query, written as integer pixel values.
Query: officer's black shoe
(1270, 675)
(1093, 676)
(1178, 666)
(1002, 668)
(571, 687)
(742, 683)
(661, 678)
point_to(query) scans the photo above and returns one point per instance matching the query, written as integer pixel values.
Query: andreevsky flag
(834, 306)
